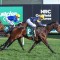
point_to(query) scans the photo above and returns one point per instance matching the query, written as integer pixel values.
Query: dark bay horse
(41, 35)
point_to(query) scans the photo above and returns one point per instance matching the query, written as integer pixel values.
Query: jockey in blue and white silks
(31, 21)
(12, 19)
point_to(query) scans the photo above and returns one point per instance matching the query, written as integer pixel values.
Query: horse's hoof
(23, 49)
(28, 51)
(1, 49)
(54, 52)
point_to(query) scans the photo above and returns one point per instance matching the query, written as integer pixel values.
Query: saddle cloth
(30, 31)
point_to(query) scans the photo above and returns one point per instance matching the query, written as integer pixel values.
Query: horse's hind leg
(10, 43)
(5, 44)
(20, 43)
(2, 47)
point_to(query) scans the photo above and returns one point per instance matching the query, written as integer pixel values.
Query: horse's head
(55, 25)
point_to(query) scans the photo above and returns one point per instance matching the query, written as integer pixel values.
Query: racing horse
(6, 29)
(41, 35)
(2, 29)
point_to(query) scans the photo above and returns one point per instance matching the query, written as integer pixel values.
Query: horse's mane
(51, 23)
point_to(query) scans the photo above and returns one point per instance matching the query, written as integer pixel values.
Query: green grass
(40, 52)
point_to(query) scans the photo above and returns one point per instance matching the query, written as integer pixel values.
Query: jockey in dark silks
(31, 21)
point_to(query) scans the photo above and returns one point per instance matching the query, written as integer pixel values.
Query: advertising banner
(46, 10)
(51, 13)
(10, 11)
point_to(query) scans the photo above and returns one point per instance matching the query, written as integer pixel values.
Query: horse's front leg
(46, 43)
(20, 43)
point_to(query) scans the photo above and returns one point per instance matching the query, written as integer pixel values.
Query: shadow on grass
(17, 50)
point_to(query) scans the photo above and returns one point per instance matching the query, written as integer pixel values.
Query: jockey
(12, 19)
(31, 21)
(39, 21)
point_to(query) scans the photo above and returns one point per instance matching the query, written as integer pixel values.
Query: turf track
(40, 52)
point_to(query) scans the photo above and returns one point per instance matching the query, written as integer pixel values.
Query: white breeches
(10, 22)
(30, 23)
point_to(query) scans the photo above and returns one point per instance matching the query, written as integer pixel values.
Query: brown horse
(41, 35)
(2, 27)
